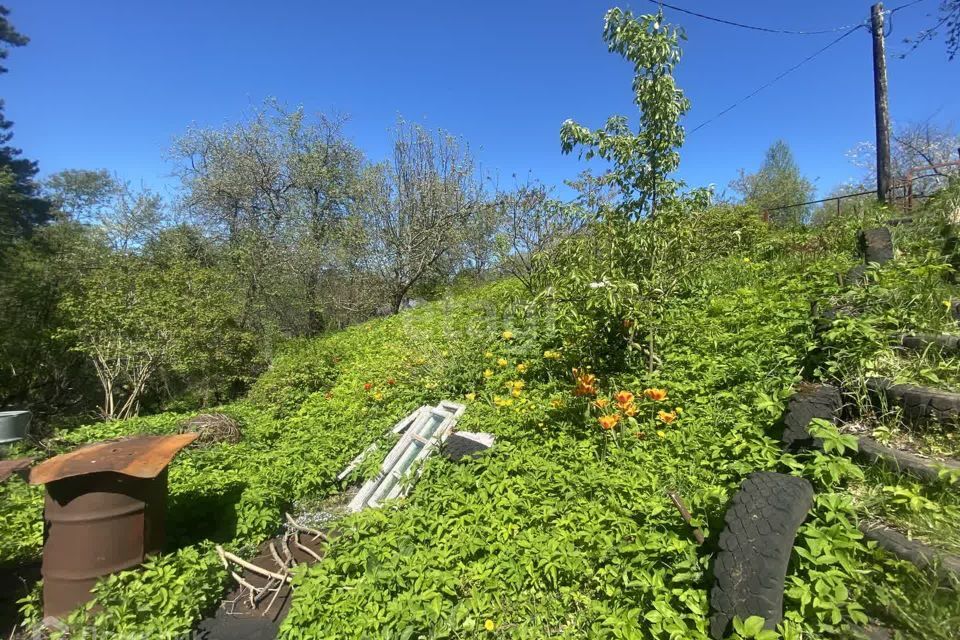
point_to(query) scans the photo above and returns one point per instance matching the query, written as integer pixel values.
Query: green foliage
(132, 319)
(21, 522)
(563, 529)
(40, 372)
(300, 369)
(752, 627)
(643, 161)
(161, 600)
(778, 183)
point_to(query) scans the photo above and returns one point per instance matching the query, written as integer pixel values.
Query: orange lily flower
(655, 394)
(585, 384)
(624, 399)
(609, 421)
(665, 417)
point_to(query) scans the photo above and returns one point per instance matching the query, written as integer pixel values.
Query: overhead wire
(792, 32)
(777, 78)
(847, 31)
(904, 6)
(734, 23)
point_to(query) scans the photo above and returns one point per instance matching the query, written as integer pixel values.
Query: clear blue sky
(109, 83)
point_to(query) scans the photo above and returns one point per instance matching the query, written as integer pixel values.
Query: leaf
(752, 626)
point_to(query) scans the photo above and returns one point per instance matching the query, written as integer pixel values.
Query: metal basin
(14, 425)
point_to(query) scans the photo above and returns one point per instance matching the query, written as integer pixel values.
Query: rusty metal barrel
(104, 512)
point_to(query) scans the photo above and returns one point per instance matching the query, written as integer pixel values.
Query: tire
(939, 342)
(875, 245)
(918, 404)
(856, 276)
(755, 545)
(811, 401)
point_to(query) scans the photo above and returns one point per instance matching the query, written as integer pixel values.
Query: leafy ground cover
(564, 528)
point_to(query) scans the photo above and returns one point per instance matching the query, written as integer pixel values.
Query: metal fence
(903, 194)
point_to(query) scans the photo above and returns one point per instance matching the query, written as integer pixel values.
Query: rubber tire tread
(814, 401)
(755, 546)
(875, 245)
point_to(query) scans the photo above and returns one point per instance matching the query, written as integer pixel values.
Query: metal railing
(902, 194)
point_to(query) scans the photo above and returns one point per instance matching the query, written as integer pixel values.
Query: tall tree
(778, 183)
(21, 208)
(415, 206)
(635, 256)
(277, 187)
(643, 161)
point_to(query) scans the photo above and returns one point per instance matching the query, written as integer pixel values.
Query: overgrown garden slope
(564, 528)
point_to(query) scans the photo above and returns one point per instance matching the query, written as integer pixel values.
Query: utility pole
(881, 104)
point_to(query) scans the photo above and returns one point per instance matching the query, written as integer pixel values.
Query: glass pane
(384, 488)
(408, 456)
(430, 425)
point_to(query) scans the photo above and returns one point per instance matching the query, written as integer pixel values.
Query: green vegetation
(648, 344)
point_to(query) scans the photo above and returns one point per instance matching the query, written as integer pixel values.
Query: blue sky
(110, 83)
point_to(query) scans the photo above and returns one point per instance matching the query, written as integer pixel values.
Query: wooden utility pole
(881, 104)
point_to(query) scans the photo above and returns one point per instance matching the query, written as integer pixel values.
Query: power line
(776, 79)
(904, 6)
(765, 29)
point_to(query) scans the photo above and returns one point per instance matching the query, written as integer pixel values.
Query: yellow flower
(551, 355)
(470, 396)
(666, 418)
(489, 625)
(601, 403)
(661, 434)
(502, 402)
(488, 354)
(516, 384)
(678, 411)
(947, 304)
(487, 373)
(515, 393)
(378, 396)
(556, 403)
(746, 259)
(521, 368)
(502, 362)
(507, 335)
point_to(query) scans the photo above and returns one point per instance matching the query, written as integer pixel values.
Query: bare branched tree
(415, 206)
(533, 224)
(918, 148)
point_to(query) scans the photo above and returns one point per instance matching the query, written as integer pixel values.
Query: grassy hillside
(564, 529)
